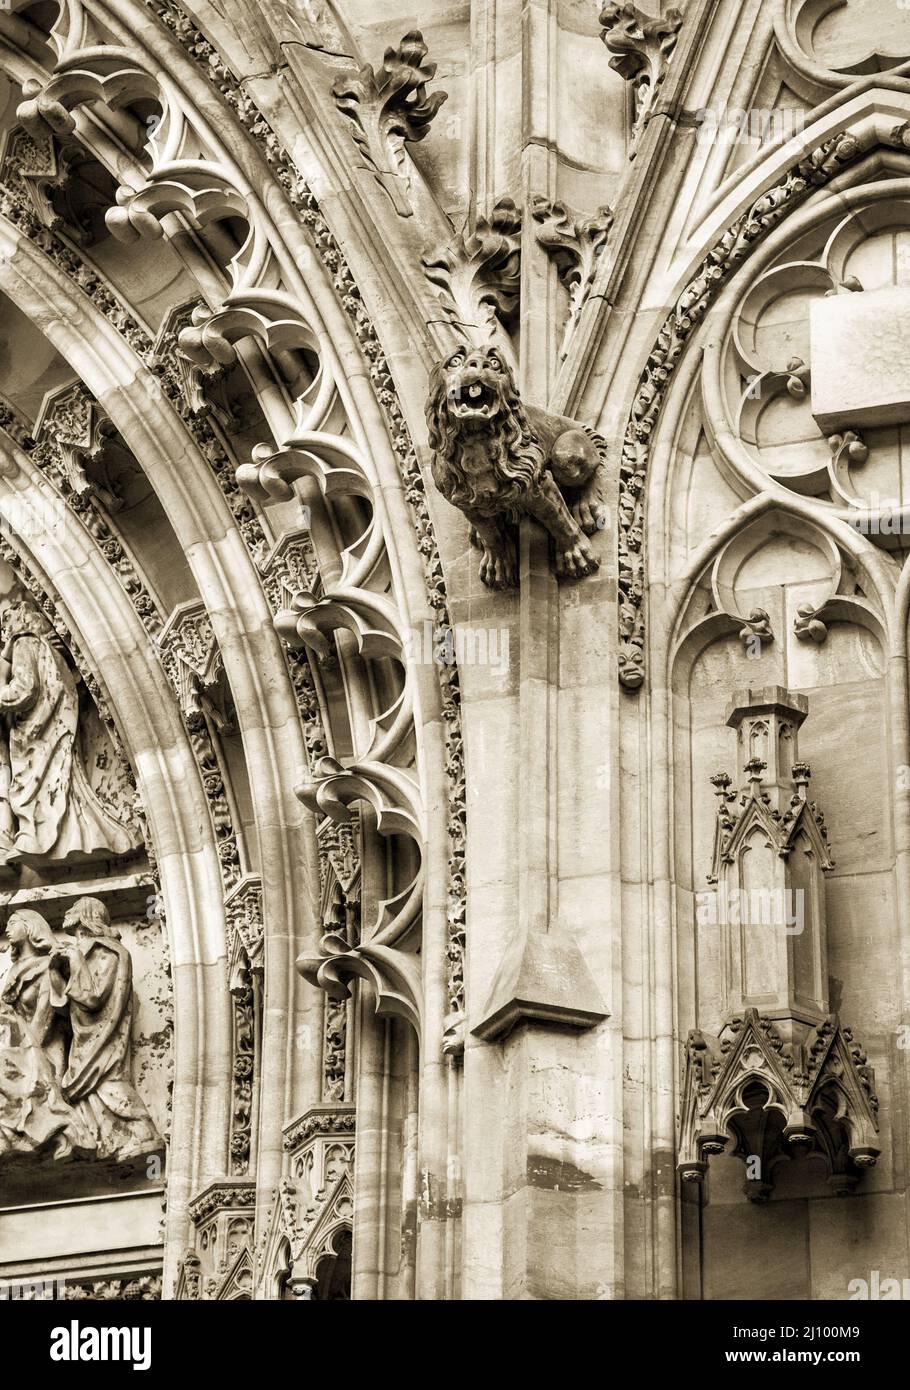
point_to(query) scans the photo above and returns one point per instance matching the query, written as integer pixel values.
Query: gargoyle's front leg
(499, 562)
(574, 555)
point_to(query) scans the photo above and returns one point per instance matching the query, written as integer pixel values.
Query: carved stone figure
(497, 459)
(99, 995)
(65, 1022)
(34, 1117)
(49, 807)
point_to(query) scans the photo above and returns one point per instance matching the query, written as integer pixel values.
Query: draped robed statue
(48, 808)
(66, 1006)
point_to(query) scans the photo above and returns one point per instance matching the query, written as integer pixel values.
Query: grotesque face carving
(485, 453)
(477, 385)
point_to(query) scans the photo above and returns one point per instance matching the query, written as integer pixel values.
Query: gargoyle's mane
(516, 457)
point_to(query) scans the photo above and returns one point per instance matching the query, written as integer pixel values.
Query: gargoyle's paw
(498, 571)
(474, 538)
(576, 561)
(591, 516)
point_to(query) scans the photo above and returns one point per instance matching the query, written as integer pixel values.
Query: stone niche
(783, 1078)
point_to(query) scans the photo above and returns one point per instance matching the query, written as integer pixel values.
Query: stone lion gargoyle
(496, 460)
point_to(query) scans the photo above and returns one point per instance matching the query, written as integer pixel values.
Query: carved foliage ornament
(478, 274)
(330, 253)
(574, 245)
(388, 107)
(384, 953)
(642, 46)
(145, 1288)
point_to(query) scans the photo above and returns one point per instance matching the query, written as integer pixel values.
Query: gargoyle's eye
(457, 360)
(494, 364)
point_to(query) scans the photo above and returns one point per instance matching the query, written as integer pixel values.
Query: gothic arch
(276, 299)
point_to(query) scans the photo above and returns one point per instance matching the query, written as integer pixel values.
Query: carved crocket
(497, 459)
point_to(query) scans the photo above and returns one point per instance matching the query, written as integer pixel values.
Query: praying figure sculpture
(34, 1117)
(47, 805)
(99, 994)
(66, 1007)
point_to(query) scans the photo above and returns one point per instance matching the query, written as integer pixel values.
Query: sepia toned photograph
(454, 688)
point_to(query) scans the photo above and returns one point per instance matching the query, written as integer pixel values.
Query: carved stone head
(25, 925)
(89, 915)
(473, 397)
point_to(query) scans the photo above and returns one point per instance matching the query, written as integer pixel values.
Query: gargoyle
(497, 459)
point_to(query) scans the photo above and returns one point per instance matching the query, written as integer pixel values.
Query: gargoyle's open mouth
(474, 400)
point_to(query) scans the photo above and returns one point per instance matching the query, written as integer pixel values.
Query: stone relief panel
(85, 988)
(66, 1060)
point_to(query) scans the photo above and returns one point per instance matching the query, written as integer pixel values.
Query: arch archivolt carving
(276, 303)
